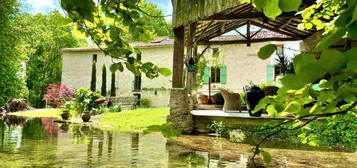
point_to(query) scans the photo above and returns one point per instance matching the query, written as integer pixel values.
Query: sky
(45, 6)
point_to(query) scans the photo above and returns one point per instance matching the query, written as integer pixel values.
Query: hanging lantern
(191, 65)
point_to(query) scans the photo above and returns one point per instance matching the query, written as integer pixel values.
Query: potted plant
(66, 110)
(253, 95)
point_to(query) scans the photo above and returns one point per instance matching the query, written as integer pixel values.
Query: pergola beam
(247, 16)
(245, 41)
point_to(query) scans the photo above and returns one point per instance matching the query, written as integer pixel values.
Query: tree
(42, 38)
(113, 23)
(112, 86)
(93, 80)
(11, 55)
(104, 81)
(325, 80)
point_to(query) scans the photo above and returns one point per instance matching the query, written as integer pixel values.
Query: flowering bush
(56, 94)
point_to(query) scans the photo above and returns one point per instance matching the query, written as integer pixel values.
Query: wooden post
(177, 74)
(194, 55)
(190, 35)
(248, 33)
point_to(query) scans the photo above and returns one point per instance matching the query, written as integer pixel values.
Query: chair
(232, 101)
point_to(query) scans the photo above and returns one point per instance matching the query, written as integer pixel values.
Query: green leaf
(354, 16)
(331, 38)
(260, 4)
(272, 111)
(311, 72)
(289, 5)
(165, 71)
(332, 60)
(266, 156)
(271, 9)
(116, 66)
(291, 81)
(261, 105)
(301, 60)
(352, 59)
(266, 51)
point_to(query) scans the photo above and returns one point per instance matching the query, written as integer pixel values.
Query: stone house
(229, 63)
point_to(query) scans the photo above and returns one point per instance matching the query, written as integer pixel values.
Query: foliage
(33, 129)
(104, 81)
(145, 103)
(218, 128)
(112, 86)
(11, 55)
(285, 64)
(84, 100)
(42, 38)
(57, 94)
(93, 79)
(113, 23)
(116, 108)
(333, 71)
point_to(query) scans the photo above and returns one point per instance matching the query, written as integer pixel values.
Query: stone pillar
(179, 110)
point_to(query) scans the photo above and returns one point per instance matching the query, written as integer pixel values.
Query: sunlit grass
(127, 121)
(54, 113)
(134, 120)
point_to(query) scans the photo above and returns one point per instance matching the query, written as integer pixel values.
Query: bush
(84, 100)
(145, 103)
(116, 108)
(57, 94)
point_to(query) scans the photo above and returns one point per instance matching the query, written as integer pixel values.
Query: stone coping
(232, 114)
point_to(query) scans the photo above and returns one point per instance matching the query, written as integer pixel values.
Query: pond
(40, 142)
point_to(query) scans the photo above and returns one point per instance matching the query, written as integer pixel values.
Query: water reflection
(43, 143)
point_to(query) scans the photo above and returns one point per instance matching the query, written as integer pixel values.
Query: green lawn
(127, 121)
(55, 113)
(134, 120)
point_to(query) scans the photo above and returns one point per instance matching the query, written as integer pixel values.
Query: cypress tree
(93, 81)
(104, 81)
(112, 86)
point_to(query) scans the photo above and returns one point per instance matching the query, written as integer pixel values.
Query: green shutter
(206, 74)
(270, 73)
(223, 73)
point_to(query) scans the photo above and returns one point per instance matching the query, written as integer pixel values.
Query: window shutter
(206, 75)
(223, 73)
(270, 73)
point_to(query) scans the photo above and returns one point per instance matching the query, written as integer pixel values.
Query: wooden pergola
(198, 21)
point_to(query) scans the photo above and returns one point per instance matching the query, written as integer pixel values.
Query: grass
(127, 121)
(134, 120)
(55, 113)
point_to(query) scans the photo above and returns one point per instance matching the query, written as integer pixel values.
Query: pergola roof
(213, 18)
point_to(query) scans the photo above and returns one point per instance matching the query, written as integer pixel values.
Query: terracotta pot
(86, 116)
(93, 112)
(202, 99)
(65, 115)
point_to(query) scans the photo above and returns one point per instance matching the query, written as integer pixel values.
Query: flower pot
(65, 114)
(86, 116)
(254, 95)
(93, 112)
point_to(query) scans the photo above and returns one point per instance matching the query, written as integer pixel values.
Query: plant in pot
(253, 95)
(85, 102)
(66, 110)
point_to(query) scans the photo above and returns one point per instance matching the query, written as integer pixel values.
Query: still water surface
(40, 142)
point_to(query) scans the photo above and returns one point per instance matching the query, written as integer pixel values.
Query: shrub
(104, 81)
(56, 94)
(93, 80)
(116, 108)
(145, 103)
(218, 128)
(84, 100)
(112, 86)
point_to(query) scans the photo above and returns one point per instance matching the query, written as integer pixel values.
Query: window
(95, 57)
(280, 50)
(215, 52)
(137, 79)
(215, 75)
